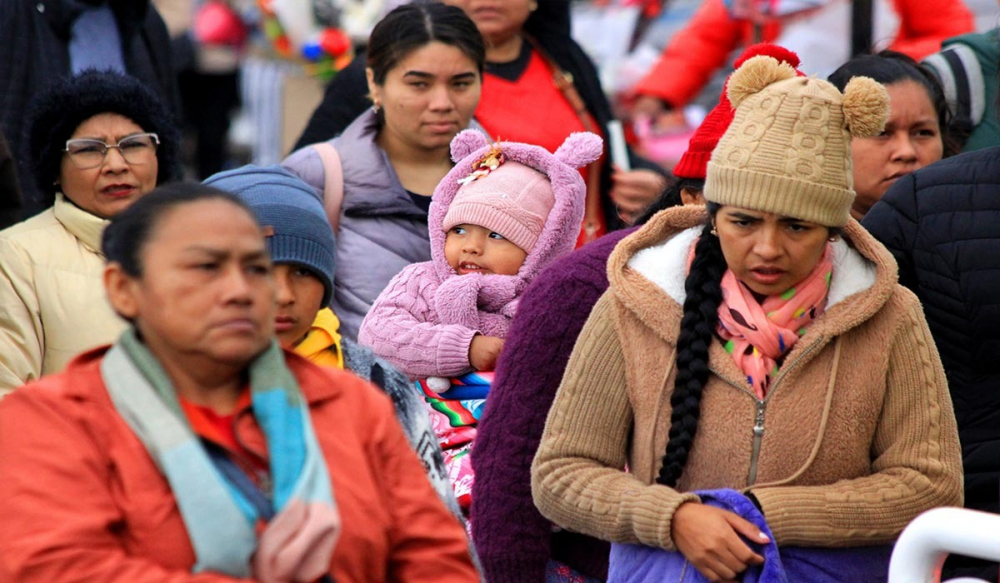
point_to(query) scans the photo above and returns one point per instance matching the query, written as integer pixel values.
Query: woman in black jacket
(940, 223)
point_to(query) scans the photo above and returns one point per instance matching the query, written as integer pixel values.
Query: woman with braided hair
(755, 393)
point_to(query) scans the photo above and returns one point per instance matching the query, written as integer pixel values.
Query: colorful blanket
(454, 414)
(463, 403)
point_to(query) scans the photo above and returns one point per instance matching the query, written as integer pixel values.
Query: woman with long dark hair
(538, 87)
(424, 71)
(770, 388)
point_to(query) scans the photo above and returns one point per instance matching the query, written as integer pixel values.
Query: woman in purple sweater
(514, 541)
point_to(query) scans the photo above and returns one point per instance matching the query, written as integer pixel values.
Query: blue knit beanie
(291, 214)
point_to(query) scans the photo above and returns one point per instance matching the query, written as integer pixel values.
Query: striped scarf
(298, 521)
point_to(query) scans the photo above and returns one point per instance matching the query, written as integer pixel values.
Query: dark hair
(71, 101)
(701, 316)
(128, 232)
(888, 67)
(670, 197)
(411, 26)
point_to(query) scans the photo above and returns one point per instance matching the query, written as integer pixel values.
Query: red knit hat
(694, 162)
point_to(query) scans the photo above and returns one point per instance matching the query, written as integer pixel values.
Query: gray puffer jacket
(381, 229)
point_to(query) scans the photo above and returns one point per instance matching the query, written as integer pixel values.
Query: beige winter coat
(52, 301)
(855, 438)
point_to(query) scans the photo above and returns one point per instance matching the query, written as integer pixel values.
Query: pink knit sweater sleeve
(403, 328)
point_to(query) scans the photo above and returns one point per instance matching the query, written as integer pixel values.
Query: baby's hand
(484, 351)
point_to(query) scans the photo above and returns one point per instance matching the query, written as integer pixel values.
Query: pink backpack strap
(333, 183)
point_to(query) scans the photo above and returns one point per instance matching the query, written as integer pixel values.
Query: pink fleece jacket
(425, 319)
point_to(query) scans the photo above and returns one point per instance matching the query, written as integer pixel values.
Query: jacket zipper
(758, 436)
(761, 407)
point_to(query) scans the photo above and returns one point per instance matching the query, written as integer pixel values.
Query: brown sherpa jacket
(855, 438)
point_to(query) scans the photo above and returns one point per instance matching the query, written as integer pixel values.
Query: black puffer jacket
(942, 224)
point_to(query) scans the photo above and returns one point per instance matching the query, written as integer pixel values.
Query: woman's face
(769, 253)
(911, 140)
(428, 97)
(497, 20)
(113, 185)
(206, 293)
(300, 297)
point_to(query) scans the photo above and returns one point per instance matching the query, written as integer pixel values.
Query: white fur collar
(665, 265)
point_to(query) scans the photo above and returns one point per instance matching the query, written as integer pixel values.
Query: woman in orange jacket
(194, 449)
(719, 27)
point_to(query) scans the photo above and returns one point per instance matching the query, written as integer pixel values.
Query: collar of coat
(86, 227)
(646, 272)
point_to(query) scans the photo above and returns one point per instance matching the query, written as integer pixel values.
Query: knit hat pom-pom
(756, 74)
(768, 50)
(467, 142)
(866, 107)
(580, 149)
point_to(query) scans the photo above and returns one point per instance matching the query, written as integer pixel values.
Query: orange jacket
(81, 500)
(700, 48)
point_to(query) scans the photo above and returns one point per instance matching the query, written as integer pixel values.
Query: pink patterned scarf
(757, 334)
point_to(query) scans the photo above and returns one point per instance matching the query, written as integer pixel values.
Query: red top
(221, 430)
(531, 110)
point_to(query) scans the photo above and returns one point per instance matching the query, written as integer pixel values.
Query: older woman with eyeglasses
(98, 142)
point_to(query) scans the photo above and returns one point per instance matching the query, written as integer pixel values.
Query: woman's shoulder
(307, 165)
(40, 227)
(73, 393)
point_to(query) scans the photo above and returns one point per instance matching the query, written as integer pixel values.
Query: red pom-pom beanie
(694, 162)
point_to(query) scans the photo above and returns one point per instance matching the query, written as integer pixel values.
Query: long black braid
(704, 294)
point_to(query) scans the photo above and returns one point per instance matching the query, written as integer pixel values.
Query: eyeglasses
(87, 153)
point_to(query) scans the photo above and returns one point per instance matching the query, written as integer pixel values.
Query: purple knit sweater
(513, 539)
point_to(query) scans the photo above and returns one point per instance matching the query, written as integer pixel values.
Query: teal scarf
(220, 519)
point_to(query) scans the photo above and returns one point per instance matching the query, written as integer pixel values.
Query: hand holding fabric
(709, 538)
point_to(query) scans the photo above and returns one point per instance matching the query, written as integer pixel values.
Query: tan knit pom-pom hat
(788, 149)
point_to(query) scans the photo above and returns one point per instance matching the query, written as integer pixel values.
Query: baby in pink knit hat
(491, 226)
(502, 214)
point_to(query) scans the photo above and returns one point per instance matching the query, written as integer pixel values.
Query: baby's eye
(458, 230)
(495, 235)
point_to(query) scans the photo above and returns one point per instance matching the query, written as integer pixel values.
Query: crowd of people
(455, 336)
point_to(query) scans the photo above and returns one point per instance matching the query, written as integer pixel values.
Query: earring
(833, 239)
(375, 108)
(713, 232)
